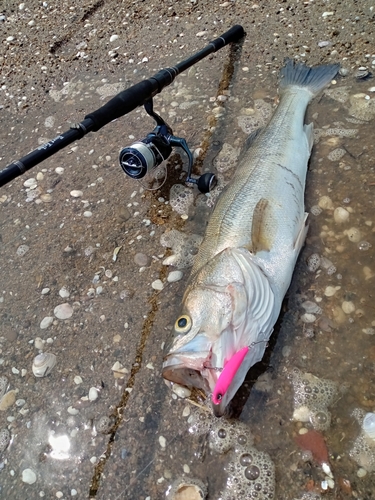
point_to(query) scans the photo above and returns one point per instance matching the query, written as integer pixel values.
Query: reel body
(143, 156)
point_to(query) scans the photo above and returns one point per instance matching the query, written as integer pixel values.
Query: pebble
(162, 442)
(38, 342)
(201, 33)
(45, 291)
(174, 276)
(21, 250)
(30, 182)
(348, 307)
(76, 193)
(64, 293)
(157, 285)
(7, 400)
(78, 380)
(87, 213)
(331, 290)
(63, 311)
(28, 476)
(59, 170)
(93, 393)
(180, 391)
(73, 411)
(340, 215)
(325, 203)
(113, 38)
(46, 322)
(142, 260)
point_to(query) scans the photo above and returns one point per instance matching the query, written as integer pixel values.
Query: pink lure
(227, 375)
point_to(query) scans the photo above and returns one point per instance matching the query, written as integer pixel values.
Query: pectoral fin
(261, 234)
(301, 236)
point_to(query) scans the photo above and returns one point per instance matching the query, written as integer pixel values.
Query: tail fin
(313, 79)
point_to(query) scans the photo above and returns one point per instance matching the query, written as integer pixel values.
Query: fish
(246, 260)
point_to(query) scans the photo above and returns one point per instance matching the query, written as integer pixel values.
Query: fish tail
(312, 79)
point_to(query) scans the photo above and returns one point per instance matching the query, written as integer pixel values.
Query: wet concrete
(58, 63)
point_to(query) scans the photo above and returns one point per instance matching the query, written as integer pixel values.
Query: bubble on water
(181, 198)
(251, 474)
(262, 113)
(316, 210)
(110, 89)
(364, 245)
(312, 396)
(361, 107)
(340, 94)
(227, 158)
(309, 496)
(313, 262)
(328, 266)
(183, 246)
(225, 434)
(336, 154)
(363, 452)
(320, 420)
(4, 439)
(334, 132)
(105, 424)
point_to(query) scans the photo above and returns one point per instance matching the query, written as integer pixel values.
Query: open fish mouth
(190, 370)
(185, 376)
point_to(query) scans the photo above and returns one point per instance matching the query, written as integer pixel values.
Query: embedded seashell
(188, 488)
(311, 307)
(368, 425)
(43, 364)
(353, 234)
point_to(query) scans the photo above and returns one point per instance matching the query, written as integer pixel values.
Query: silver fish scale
(273, 168)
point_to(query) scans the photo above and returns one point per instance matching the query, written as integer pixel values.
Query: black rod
(118, 106)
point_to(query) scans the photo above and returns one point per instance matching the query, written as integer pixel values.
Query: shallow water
(147, 445)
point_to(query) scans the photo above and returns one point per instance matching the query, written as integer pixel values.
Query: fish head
(203, 340)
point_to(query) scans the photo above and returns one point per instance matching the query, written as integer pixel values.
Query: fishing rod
(145, 155)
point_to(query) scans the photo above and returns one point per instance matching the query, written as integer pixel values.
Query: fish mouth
(186, 371)
(185, 376)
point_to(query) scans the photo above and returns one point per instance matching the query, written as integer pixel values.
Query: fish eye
(219, 397)
(183, 324)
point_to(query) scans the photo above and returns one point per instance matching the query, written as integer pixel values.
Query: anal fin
(261, 236)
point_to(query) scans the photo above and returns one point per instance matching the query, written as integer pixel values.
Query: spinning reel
(144, 156)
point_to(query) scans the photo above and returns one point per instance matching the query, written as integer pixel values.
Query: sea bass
(246, 260)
